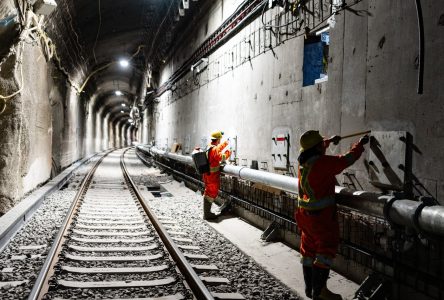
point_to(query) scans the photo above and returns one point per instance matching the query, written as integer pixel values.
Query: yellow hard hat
(216, 135)
(309, 139)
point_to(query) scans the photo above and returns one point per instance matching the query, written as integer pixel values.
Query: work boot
(207, 214)
(320, 290)
(308, 275)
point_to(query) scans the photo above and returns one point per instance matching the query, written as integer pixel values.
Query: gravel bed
(102, 264)
(106, 254)
(40, 230)
(118, 277)
(246, 277)
(120, 293)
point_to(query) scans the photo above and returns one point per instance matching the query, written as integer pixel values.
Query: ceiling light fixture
(122, 111)
(123, 104)
(124, 63)
(119, 93)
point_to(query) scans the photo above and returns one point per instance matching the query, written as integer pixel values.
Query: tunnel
(145, 85)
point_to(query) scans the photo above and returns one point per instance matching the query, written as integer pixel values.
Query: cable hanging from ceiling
(33, 31)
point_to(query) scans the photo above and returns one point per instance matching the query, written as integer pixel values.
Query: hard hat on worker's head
(217, 135)
(309, 139)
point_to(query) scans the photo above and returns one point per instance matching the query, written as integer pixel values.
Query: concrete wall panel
(372, 85)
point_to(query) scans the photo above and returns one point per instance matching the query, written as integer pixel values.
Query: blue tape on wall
(312, 69)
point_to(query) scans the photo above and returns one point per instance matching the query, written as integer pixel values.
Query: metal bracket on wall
(272, 232)
(372, 288)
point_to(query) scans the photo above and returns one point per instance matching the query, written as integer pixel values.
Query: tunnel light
(119, 93)
(123, 104)
(124, 63)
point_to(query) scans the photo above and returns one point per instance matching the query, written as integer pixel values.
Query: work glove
(364, 140)
(335, 139)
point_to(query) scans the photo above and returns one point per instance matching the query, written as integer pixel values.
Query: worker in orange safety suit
(216, 155)
(316, 212)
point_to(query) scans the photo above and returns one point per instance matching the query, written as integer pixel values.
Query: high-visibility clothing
(320, 236)
(317, 178)
(212, 179)
(316, 212)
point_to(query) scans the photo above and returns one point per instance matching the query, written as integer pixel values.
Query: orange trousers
(212, 184)
(320, 235)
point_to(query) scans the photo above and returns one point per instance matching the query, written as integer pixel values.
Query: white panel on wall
(280, 147)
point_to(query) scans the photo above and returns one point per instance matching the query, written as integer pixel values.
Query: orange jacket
(216, 156)
(212, 179)
(317, 178)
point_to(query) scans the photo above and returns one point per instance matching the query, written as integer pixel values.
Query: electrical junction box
(44, 7)
(280, 148)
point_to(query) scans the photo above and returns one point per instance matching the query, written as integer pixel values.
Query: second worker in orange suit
(316, 213)
(216, 155)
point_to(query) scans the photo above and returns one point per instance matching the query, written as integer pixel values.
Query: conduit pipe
(403, 212)
(285, 183)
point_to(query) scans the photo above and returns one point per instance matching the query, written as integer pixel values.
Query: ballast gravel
(40, 230)
(37, 233)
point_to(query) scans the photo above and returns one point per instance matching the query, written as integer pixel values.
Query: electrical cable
(420, 88)
(49, 50)
(80, 52)
(98, 33)
(338, 9)
(272, 26)
(4, 107)
(20, 61)
(104, 67)
(160, 26)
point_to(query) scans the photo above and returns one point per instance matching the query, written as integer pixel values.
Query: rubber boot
(207, 214)
(320, 290)
(308, 275)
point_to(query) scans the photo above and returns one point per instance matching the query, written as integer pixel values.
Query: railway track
(111, 245)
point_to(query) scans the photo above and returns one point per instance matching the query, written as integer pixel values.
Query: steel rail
(42, 283)
(196, 284)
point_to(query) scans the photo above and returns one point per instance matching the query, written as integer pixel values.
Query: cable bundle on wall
(32, 31)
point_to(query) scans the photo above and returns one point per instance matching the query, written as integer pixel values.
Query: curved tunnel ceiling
(105, 31)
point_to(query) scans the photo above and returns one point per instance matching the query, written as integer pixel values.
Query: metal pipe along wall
(402, 212)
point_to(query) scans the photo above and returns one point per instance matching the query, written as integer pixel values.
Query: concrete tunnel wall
(361, 93)
(249, 100)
